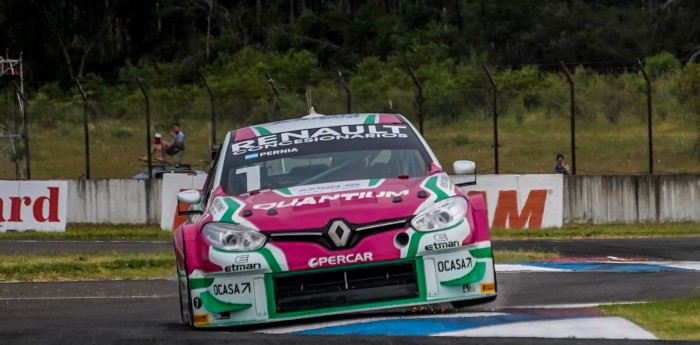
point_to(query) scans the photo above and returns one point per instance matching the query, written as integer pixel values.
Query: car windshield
(323, 155)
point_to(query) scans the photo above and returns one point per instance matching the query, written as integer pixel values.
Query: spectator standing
(561, 167)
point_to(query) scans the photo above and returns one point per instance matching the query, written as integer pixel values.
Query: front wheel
(184, 288)
(185, 302)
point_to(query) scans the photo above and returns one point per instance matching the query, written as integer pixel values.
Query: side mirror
(189, 197)
(464, 167)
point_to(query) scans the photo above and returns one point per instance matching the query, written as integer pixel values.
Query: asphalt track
(147, 311)
(677, 249)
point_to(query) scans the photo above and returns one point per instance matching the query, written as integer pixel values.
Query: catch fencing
(505, 127)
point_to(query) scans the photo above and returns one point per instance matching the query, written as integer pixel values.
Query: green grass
(94, 232)
(130, 266)
(644, 230)
(115, 147)
(530, 146)
(527, 145)
(507, 256)
(672, 319)
(104, 266)
(153, 232)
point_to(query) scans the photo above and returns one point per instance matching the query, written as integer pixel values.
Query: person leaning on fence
(561, 167)
(171, 147)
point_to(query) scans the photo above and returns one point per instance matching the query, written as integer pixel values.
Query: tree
(215, 12)
(78, 27)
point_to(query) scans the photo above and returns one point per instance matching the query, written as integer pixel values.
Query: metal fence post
(85, 129)
(419, 99)
(277, 95)
(649, 113)
(148, 128)
(25, 128)
(348, 94)
(494, 89)
(572, 93)
(212, 107)
(18, 170)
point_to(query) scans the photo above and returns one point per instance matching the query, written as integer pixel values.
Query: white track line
(308, 327)
(526, 268)
(82, 297)
(580, 328)
(570, 305)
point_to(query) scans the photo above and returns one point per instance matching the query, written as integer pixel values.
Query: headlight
(233, 237)
(443, 214)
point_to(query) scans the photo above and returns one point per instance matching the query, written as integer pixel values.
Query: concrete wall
(587, 199)
(114, 201)
(631, 198)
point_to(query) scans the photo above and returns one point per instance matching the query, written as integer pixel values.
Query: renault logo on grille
(339, 233)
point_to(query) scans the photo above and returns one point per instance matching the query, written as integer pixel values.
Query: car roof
(314, 121)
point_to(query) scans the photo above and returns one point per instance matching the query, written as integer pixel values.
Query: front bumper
(265, 295)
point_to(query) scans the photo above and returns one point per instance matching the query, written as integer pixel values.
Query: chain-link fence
(533, 126)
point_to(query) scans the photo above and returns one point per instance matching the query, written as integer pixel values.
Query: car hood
(314, 206)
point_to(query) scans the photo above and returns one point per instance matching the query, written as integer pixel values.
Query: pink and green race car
(329, 214)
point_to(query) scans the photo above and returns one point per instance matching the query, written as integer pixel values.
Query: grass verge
(153, 232)
(116, 266)
(106, 266)
(506, 256)
(673, 319)
(644, 230)
(94, 232)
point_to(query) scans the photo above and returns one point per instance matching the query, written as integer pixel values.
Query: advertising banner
(521, 201)
(33, 205)
(173, 184)
(513, 201)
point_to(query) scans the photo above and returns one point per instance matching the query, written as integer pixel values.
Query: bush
(688, 87)
(662, 63)
(524, 79)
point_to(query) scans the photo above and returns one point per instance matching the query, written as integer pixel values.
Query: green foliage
(688, 87)
(524, 79)
(106, 38)
(384, 86)
(376, 75)
(662, 63)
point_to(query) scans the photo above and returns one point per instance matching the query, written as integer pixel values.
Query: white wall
(586, 199)
(114, 201)
(631, 198)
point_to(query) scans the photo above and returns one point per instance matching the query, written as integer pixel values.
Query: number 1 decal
(252, 177)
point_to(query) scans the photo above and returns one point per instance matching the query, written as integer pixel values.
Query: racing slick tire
(184, 291)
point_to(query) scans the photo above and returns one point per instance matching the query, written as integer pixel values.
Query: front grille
(345, 287)
(359, 232)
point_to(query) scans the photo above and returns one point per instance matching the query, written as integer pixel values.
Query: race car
(329, 214)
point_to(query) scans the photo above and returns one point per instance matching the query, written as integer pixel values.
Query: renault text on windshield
(319, 134)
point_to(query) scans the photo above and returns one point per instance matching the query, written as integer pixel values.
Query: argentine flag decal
(251, 156)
